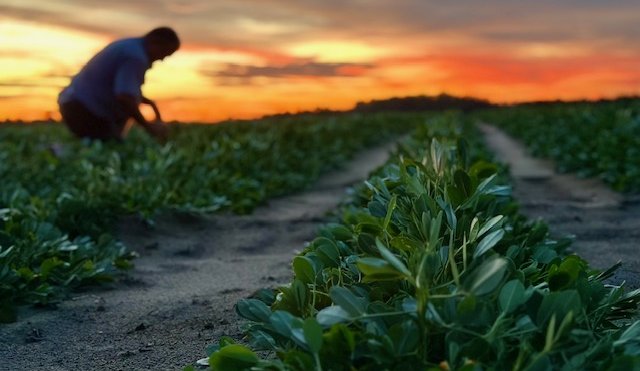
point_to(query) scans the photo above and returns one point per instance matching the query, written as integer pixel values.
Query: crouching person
(106, 93)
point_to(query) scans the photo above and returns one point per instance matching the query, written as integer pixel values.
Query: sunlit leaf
(486, 277)
(233, 357)
(488, 242)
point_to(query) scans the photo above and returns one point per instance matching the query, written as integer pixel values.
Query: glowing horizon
(283, 56)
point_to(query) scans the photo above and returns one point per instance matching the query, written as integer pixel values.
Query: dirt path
(180, 296)
(606, 224)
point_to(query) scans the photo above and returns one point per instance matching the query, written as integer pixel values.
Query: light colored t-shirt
(118, 69)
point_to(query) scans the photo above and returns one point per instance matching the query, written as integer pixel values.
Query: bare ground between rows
(606, 224)
(180, 296)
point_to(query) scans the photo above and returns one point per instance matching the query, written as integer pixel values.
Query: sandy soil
(606, 224)
(179, 298)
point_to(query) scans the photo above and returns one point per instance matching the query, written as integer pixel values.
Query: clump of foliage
(592, 140)
(60, 196)
(432, 267)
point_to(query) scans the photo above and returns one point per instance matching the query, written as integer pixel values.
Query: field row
(591, 140)
(432, 267)
(60, 196)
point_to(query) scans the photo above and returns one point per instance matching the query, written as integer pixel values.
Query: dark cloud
(522, 36)
(237, 74)
(220, 23)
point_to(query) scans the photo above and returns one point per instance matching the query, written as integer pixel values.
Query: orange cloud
(507, 78)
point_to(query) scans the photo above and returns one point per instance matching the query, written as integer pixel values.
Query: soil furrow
(605, 223)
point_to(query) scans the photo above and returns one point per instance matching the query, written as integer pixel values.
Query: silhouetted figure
(107, 91)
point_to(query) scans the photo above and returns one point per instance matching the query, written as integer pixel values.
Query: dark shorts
(84, 124)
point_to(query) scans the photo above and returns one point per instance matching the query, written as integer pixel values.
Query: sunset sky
(247, 58)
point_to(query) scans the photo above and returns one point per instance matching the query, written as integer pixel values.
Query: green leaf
(541, 364)
(405, 337)
(482, 169)
(525, 323)
(5, 253)
(538, 232)
(299, 291)
(225, 341)
(304, 269)
(558, 303)
(262, 340)
(550, 335)
(632, 333)
(566, 273)
(352, 304)
(313, 334)
(482, 187)
(390, 209)
(467, 304)
(499, 190)
(489, 224)
(377, 209)
(625, 363)
(267, 296)
(436, 155)
(488, 242)
(49, 265)
(486, 277)
(253, 309)
(543, 254)
(429, 268)
(285, 323)
(463, 182)
(474, 229)
(511, 296)
(327, 252)
(392, 259)
(375, 269)
(331, 315)
(434, 231)
(405, 244)
(462, 151)
(232, 358)
(433, 315)
(450, 213)
(339, 231)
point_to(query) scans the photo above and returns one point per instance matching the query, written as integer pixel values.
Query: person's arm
(130, 105)
(127, 82)
(153, 105)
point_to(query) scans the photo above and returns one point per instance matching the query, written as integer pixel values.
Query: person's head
(161, 42)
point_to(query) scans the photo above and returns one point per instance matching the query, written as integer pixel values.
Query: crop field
(432, 267)
(59, 196)
(590, 140)
(429, 264)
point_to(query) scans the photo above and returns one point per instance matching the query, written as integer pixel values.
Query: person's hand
(154, 106)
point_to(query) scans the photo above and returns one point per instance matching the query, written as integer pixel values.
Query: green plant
(432, 267)
(591, 140)
(60, 196)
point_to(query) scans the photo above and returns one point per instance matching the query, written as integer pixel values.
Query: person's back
(107, 91)
(103, 77)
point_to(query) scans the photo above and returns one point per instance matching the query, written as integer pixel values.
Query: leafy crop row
(59, 196)
(432, 267)
(592, 140)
